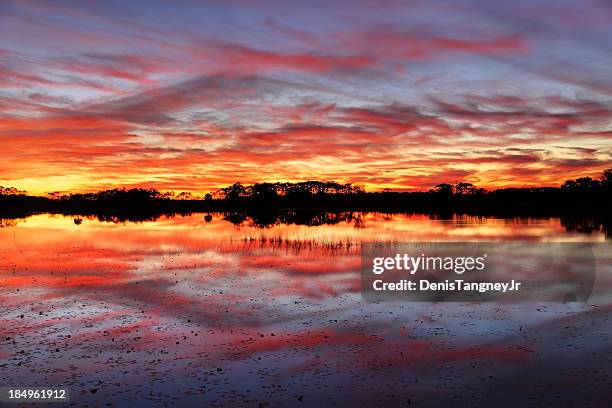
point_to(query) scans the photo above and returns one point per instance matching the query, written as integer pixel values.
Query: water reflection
(589, 225)
(309, 218)
(598, 225)
(226, 308)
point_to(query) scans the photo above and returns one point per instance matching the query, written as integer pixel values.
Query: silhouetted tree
(581, 196)
(264, 191)
(606, 179)
(443, 189)
(464, 188)
(581, 184)
(11, 191)
(233, 192)
(185, 195)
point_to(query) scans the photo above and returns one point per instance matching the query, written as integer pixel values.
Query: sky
(193, 96)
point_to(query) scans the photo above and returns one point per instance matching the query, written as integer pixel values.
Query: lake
(222, 310)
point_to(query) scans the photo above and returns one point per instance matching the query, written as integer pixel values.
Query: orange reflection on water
(53, 250)
(177, 294)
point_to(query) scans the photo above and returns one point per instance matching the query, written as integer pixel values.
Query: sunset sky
(399, 94)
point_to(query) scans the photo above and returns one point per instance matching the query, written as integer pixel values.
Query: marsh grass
(327, 245)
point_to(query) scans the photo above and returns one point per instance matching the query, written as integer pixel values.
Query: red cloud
(250, 60)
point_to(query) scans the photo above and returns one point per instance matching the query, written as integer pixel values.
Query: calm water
(226, 311)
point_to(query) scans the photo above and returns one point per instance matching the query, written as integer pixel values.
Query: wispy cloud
(400, 95)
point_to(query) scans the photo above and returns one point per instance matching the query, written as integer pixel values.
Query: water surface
(231, 310)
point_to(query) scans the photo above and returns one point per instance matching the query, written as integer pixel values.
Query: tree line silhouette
(580, 196)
